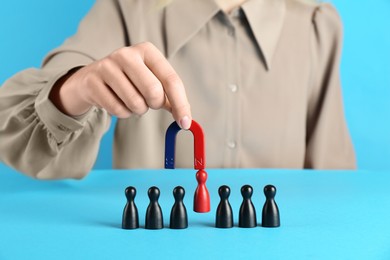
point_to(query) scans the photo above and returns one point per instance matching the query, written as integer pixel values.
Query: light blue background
(29, 29)
(324, 215)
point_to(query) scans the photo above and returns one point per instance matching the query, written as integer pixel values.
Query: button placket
(231, 88)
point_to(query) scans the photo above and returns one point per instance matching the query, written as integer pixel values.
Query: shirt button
(233, 87)
(231, 144)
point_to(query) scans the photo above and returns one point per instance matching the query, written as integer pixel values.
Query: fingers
(107, 99)
(146, 82)
(172, 85)
(124, 89)
(132, 79)
(167, 106)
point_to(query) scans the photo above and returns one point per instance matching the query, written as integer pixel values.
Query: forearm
(40, 141)
(66, 99)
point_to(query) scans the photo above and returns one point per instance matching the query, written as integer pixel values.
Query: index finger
(172, 84)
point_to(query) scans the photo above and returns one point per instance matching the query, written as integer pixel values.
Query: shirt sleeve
(35, 137)
(328, 141)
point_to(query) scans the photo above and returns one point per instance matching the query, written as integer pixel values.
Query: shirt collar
(265, 17)
(184, 18)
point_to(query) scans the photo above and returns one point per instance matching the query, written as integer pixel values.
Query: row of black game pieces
(247, 215)
(154, 216)
(224, 215)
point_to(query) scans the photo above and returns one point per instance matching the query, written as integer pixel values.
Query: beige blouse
(263, 83)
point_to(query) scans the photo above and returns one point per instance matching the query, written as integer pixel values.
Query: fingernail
(185, 123)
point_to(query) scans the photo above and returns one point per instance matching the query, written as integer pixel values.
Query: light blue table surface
(324, 215)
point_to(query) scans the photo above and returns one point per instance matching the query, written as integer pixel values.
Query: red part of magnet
(199, 147)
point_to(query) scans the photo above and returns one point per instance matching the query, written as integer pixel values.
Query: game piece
(271, 216)
(224, 216)
(199, 147)
(130, 212)
(179, 219)
(154, 216)
(201, 196)
(247, 216)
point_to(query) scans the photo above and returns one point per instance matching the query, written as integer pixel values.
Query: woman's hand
(129, 81)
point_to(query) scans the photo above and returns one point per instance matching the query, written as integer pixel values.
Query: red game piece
(202, 196)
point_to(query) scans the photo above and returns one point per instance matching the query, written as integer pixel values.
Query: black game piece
(271, 216)
(154, 216)
(130, 212)
(247, 216)
(179, 218)
(224, 216)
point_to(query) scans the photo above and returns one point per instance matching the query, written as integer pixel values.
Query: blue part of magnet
(170, 141)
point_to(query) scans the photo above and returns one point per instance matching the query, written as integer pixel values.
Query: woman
(261, 77)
